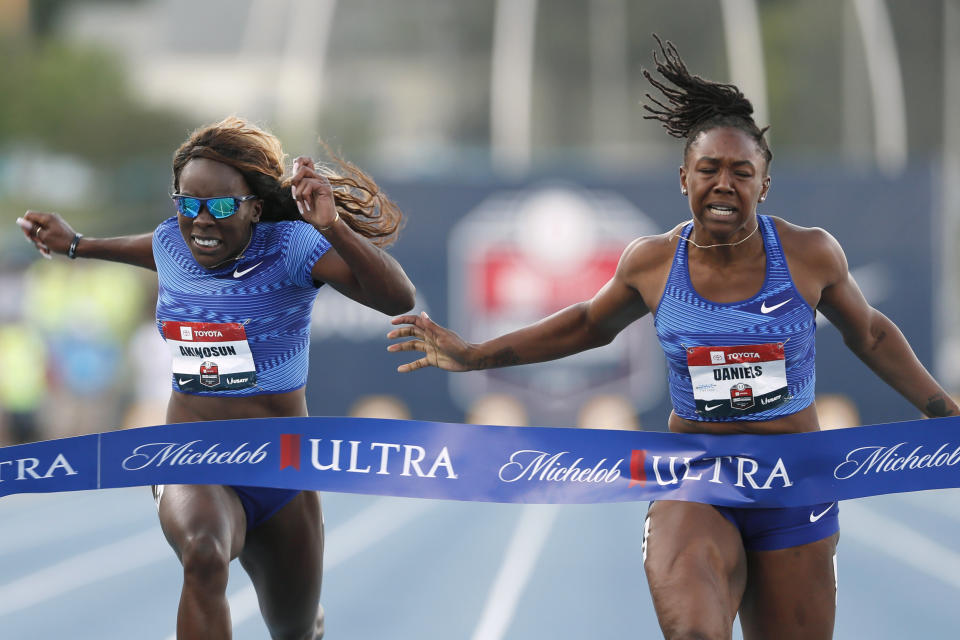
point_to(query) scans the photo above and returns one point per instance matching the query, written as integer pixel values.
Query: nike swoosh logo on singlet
(240, 274)
(815, 517)
(765, 309)
(711, 408)
(181, 381)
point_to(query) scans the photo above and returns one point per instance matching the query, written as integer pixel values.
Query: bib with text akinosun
(735, 381)
(500, 464)
(210, 356)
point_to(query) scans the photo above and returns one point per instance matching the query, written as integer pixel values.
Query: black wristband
(72, 251)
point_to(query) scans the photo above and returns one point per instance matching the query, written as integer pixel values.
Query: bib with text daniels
(735, 381)
(210, 356)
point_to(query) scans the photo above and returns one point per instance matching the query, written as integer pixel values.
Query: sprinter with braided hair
(726, 288)
(240, 263)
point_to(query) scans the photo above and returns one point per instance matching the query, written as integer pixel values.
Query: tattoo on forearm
(880, 338)
(937, 406)
(503, 358)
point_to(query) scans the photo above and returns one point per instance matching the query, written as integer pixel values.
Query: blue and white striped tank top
(748, 360)
(242, 329)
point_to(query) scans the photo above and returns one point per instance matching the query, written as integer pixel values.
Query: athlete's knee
(695, 634)
(690, 622)
(295, 626)
(205, 560)
(309, 633)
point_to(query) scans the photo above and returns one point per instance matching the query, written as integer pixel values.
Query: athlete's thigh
(284, 558)
(791, 593)
(695, 566)
(204, 513)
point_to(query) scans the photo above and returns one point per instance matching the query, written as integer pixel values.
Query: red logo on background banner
(638, 472)
(290, 450)
(523, 254)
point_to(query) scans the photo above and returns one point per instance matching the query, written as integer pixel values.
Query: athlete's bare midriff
(185, 407)
(802, 421)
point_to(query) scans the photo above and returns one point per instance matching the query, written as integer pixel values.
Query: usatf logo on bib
(738, 380)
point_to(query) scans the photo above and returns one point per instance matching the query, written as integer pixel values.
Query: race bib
(210, 356)
(736, 381)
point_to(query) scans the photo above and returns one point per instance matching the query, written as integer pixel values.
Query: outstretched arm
(50, 233)
(579, 327)
(876, 340)
(355, 267)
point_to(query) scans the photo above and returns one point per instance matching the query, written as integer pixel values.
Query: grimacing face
(725, 175)
(215, 241)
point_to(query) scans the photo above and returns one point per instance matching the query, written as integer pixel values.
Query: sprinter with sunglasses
(240, 264)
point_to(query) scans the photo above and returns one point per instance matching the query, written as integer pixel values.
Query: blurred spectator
(380, 406)
(86, 313)
(148, 363)
(836, 411)
(498, 409)
(23, 382)
(608, 411)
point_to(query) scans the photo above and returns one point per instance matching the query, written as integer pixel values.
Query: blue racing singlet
(737, 361)
(242, 329)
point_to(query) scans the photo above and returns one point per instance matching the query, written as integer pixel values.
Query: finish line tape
(499, 464)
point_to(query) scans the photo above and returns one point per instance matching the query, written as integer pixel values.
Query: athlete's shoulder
(295, 231)
(167, 238)
(167, 226)
(275, 231)
(813, 246)
(651, 252)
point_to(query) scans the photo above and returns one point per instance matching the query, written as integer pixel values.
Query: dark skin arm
(50, 233)
(585, 325)
(355, 267)
(872, 336)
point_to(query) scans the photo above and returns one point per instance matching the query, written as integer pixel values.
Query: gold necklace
(724, 244)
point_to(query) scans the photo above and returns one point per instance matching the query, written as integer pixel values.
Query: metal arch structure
(511, 77)
(298, 102)
(511, 85)
(947, 232)
(744, 43)
(886, 85)
(296, 99)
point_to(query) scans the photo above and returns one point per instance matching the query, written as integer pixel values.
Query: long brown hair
(259, 157)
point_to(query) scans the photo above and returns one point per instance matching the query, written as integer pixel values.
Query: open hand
(48, 232)
(442, 348)
(313, 194)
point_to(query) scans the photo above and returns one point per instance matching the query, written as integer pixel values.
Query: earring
(683, 190)
(762, 198)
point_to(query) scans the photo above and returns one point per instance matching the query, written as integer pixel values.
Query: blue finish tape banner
(499, 464)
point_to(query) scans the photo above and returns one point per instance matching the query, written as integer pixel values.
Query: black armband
(72, 251)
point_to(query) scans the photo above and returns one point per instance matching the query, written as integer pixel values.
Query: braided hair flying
(694, 105)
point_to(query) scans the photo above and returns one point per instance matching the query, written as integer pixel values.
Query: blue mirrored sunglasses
(220, 207)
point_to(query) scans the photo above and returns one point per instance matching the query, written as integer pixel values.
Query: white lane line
(365, 529)
(81, 570)
(529, 536)
(903, 543)
(942, 502)
(39, 532)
